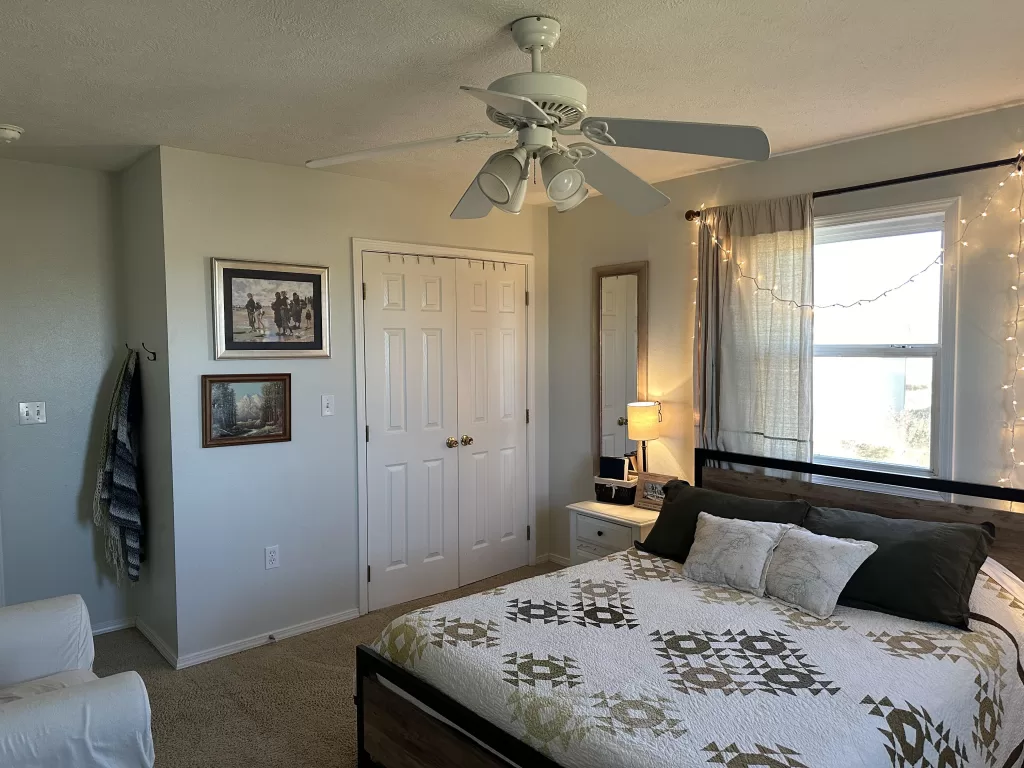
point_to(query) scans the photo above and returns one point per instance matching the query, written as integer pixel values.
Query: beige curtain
(753, 354)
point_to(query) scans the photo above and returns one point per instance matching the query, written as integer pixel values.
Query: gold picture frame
(650, 490)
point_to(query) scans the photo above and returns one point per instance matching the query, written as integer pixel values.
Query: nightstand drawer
(610, 536)
(585, 552)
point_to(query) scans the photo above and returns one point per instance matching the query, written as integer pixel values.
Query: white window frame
(899, 220)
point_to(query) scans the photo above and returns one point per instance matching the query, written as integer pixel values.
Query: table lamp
(644, 423)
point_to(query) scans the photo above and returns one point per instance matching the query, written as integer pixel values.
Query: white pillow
(732, 553)
(808, 571)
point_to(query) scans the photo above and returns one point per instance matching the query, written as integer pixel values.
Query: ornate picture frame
(264, 310)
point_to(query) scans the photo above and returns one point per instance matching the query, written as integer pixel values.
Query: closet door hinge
(527, 533)
(367, 574)
(527, 415)
(367, 433)
(527, 298)
(364, 291)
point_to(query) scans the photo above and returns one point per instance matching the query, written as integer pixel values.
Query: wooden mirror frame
(638, 268)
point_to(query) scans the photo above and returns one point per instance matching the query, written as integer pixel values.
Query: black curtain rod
(1017, 160)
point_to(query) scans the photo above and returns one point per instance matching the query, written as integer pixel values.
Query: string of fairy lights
(1017, 254)
(1011, 386)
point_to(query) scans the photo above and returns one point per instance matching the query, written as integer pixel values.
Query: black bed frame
(369, 662)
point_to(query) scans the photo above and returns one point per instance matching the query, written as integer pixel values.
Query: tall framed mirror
(618, 354)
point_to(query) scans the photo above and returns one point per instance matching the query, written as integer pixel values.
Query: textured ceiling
(96, 82)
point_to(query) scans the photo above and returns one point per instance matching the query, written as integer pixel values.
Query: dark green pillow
(673, 532)
(921, 570)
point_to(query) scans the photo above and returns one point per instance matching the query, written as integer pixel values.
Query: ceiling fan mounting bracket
(538, 33)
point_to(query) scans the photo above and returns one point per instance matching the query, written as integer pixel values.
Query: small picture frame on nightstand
(650, 490)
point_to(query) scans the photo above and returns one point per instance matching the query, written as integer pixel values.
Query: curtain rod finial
(692, 215)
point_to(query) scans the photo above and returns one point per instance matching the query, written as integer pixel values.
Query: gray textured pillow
(732, 553)
(808, 571)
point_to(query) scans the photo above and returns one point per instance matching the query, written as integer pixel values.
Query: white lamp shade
(562, 179)
(572, 202)
(643, 421)
(500, 176)
(515, 205)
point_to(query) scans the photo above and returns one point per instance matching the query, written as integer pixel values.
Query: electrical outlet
(272, 557)
(32, 413)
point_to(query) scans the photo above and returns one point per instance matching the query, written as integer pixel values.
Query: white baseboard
(112, 626)
(158, 642)
(200, 657)
(551, 557)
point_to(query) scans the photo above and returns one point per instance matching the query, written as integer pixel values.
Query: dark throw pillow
(673, 531)
(921, 570)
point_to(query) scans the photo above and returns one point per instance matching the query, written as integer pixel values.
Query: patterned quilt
(622, 662)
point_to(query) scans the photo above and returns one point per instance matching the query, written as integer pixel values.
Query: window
(882, 370)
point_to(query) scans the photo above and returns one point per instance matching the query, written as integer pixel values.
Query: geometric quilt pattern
(738, 662)
(622, 663)
(914, 739)
(603, 604)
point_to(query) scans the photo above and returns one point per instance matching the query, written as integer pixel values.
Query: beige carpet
(284, 704)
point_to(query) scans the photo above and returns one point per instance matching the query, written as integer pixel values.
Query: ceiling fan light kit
(9, 133)
(501, 174)
(572, 202)
(562, 179)
(537, 107)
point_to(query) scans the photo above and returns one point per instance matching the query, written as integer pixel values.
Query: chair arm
(43, 638)
(104, 722)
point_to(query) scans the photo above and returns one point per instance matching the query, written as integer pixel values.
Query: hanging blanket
(116, 508)
(623, 663)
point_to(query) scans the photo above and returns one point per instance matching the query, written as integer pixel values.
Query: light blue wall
(58, 343)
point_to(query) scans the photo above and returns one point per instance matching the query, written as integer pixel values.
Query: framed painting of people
(264, 310)
(247, 408)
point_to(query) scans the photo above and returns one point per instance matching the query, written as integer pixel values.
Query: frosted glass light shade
(643, 420)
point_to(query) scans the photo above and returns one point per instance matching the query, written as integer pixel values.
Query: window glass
(847, 271)
(876, 409)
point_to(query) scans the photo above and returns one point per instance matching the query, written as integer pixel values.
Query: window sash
(877, 350)
(899, 220)
(934, 351)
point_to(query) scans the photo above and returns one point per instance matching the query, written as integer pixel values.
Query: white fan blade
(740, 141)
(509, 104)
(366, 154)
(619, 183)
(473, 205)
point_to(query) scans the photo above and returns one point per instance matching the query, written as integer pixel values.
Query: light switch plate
(326, 405)
(32, 413)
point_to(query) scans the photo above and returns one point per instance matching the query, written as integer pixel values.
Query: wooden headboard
(1008, 547)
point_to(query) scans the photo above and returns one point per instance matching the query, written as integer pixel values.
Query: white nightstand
(597, 529)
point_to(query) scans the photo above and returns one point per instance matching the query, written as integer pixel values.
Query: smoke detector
(9, 133)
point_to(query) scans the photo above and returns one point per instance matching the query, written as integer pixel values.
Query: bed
(622, 662)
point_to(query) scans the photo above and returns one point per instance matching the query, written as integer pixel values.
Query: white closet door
(411, 409)
(618, 360)
(493, 480)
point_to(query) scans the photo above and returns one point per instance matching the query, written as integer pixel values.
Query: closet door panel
(492, 414)
(411, 409)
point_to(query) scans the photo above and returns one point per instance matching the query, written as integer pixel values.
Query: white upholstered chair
(54, 711)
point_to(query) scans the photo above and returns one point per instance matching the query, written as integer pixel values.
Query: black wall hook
(150, 354)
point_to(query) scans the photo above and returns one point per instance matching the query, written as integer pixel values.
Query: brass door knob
(451, 442)
(623, 421)
(467, 440)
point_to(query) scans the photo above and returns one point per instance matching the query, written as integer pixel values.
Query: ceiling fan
(537, 108)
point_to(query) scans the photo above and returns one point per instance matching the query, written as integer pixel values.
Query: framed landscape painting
(246, 408)
(263, 310)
